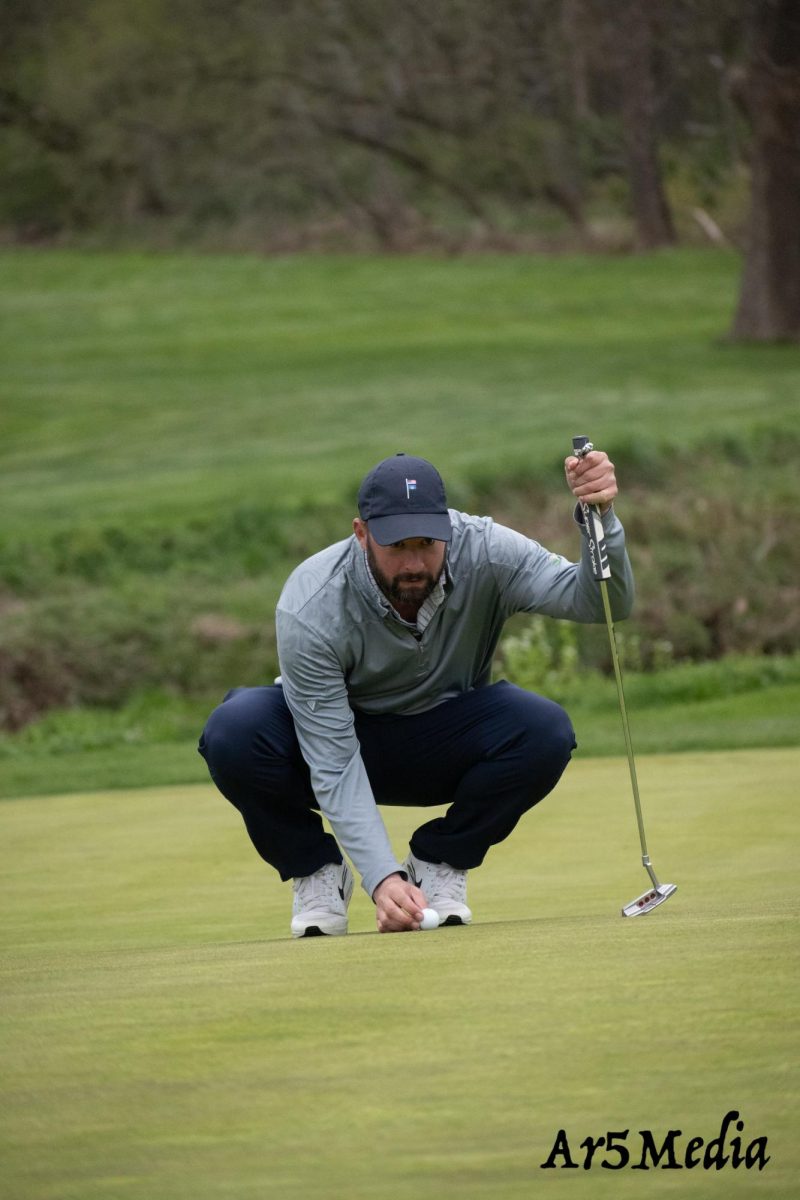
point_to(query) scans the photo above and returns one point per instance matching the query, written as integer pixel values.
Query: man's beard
(395, 589)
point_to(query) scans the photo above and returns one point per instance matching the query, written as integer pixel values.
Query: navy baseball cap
(404, 497)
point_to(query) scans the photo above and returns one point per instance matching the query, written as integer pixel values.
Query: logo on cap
(411, 486)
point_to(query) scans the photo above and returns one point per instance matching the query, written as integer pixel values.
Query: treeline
(286, 124)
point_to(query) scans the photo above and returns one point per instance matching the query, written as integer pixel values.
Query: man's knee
(547, 732)
(562, 734)
(239, 726)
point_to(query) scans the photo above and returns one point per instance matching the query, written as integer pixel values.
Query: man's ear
(360, 530)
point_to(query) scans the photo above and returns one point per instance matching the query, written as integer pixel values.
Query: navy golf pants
(491, 754)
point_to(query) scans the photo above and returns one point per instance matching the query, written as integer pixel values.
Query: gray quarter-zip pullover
(342, 647)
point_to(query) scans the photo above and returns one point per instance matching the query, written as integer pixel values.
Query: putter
(659, 892)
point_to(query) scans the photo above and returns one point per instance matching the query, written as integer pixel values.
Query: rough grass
(163, 1037)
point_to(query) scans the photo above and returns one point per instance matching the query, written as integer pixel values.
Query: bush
(711, 538)
(101, 646)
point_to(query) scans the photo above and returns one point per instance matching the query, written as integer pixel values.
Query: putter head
(649, 900)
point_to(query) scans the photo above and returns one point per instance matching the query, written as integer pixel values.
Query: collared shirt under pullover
(342, 648)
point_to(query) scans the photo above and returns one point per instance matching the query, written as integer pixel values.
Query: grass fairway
(141, 387)
(164, 1038)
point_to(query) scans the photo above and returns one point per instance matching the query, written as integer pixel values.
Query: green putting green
(165, 1039)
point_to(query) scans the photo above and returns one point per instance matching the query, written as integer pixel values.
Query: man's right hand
(398, 905)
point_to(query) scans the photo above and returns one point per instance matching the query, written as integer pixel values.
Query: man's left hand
(592, 478)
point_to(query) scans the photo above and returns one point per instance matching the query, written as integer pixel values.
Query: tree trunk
(573, 26)
(769, 299)
(638, 95)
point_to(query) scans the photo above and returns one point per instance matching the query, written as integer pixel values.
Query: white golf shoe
(445, 889)
(320, 901)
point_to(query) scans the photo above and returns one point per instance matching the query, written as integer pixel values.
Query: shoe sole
(318, 931)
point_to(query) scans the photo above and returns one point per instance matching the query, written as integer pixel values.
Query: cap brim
(398, 527)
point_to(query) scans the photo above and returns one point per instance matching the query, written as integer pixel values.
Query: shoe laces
(319, 888)
(451, 882)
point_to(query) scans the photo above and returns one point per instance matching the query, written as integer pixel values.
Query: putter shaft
(601, 570)
(612, 639)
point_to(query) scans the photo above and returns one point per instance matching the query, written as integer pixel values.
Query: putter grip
(592, 521)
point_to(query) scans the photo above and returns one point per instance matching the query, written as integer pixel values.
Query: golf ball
(430, 919)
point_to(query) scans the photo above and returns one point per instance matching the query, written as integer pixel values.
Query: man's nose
(414, 563)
